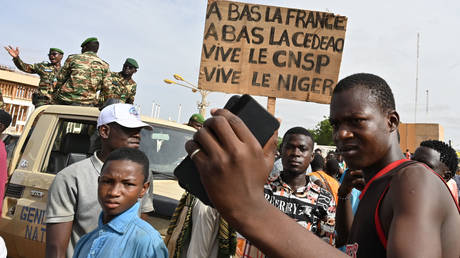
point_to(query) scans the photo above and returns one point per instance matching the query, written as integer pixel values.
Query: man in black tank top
(406, 210)
(404, 205)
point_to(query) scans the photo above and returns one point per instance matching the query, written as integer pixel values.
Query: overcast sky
(165, 37)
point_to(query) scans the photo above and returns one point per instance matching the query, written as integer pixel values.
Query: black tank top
(366, 237)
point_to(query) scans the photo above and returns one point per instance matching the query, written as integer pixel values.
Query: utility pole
(178, 115)
(427, 102)
(204, 103)
(204, 93)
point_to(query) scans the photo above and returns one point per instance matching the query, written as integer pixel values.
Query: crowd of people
(385, 206)
(365, 199)
(84, 79)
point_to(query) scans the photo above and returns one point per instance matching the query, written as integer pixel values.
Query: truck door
(55, 142)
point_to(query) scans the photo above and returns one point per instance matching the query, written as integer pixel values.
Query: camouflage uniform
(117, 87)
(79, 79)
(47, 72)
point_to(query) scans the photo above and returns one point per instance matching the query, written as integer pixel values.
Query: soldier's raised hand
(13, 52)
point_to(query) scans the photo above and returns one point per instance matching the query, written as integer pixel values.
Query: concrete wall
(411, 135)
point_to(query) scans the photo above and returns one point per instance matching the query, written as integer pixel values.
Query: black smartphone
(262, 125)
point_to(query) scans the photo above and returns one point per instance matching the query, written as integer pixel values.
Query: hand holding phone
(261, 124)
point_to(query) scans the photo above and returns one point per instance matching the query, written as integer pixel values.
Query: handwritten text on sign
(271, 51)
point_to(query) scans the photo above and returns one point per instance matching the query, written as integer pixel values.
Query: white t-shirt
(3, 251)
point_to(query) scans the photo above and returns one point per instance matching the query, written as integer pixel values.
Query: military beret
(197, 117)
(93, 39)
(57, 50)
(132, 62)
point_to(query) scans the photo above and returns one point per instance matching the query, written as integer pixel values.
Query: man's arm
(28, 68)
(233, 168)
(57, 239)
(344, 214)
(104, 94)
(60, 212)
(63, 74)
(131, 94)
(14, 53)
(343, 221)
(419, 202)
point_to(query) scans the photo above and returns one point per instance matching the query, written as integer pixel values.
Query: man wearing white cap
(73, 208)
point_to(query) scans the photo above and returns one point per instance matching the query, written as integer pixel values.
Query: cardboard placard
(271, 51)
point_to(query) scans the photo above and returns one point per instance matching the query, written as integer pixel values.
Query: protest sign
(271, 51)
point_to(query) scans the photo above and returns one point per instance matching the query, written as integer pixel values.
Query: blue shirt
(126, 235)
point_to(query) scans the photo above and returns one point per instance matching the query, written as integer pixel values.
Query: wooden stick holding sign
(271, 103)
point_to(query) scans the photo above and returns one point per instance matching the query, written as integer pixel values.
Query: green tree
(323, 132)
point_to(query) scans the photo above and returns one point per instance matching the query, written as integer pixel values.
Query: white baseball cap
(125, 115)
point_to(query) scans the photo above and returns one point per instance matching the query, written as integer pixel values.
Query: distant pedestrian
(322, 177)
(333, 169)
(407, 154)
(196, 121)
(318, 151)
(342, 163)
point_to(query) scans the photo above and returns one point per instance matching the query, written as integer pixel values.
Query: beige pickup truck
(56, 136)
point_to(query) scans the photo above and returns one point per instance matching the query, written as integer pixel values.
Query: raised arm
(233, 168)
(14, 53)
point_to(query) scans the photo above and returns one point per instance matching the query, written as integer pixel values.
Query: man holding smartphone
(402, 199)
(292, 192)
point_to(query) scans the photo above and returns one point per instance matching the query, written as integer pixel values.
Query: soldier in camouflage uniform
(46, 70)
(81, 77)
(120, 85)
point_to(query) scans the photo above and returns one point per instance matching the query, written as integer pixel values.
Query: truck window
(164, 146)
(10, 142)
(72, 143)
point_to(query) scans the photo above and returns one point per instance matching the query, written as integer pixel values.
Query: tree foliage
(323, 132)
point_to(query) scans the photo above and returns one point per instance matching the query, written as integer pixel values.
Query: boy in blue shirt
(121, 233)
